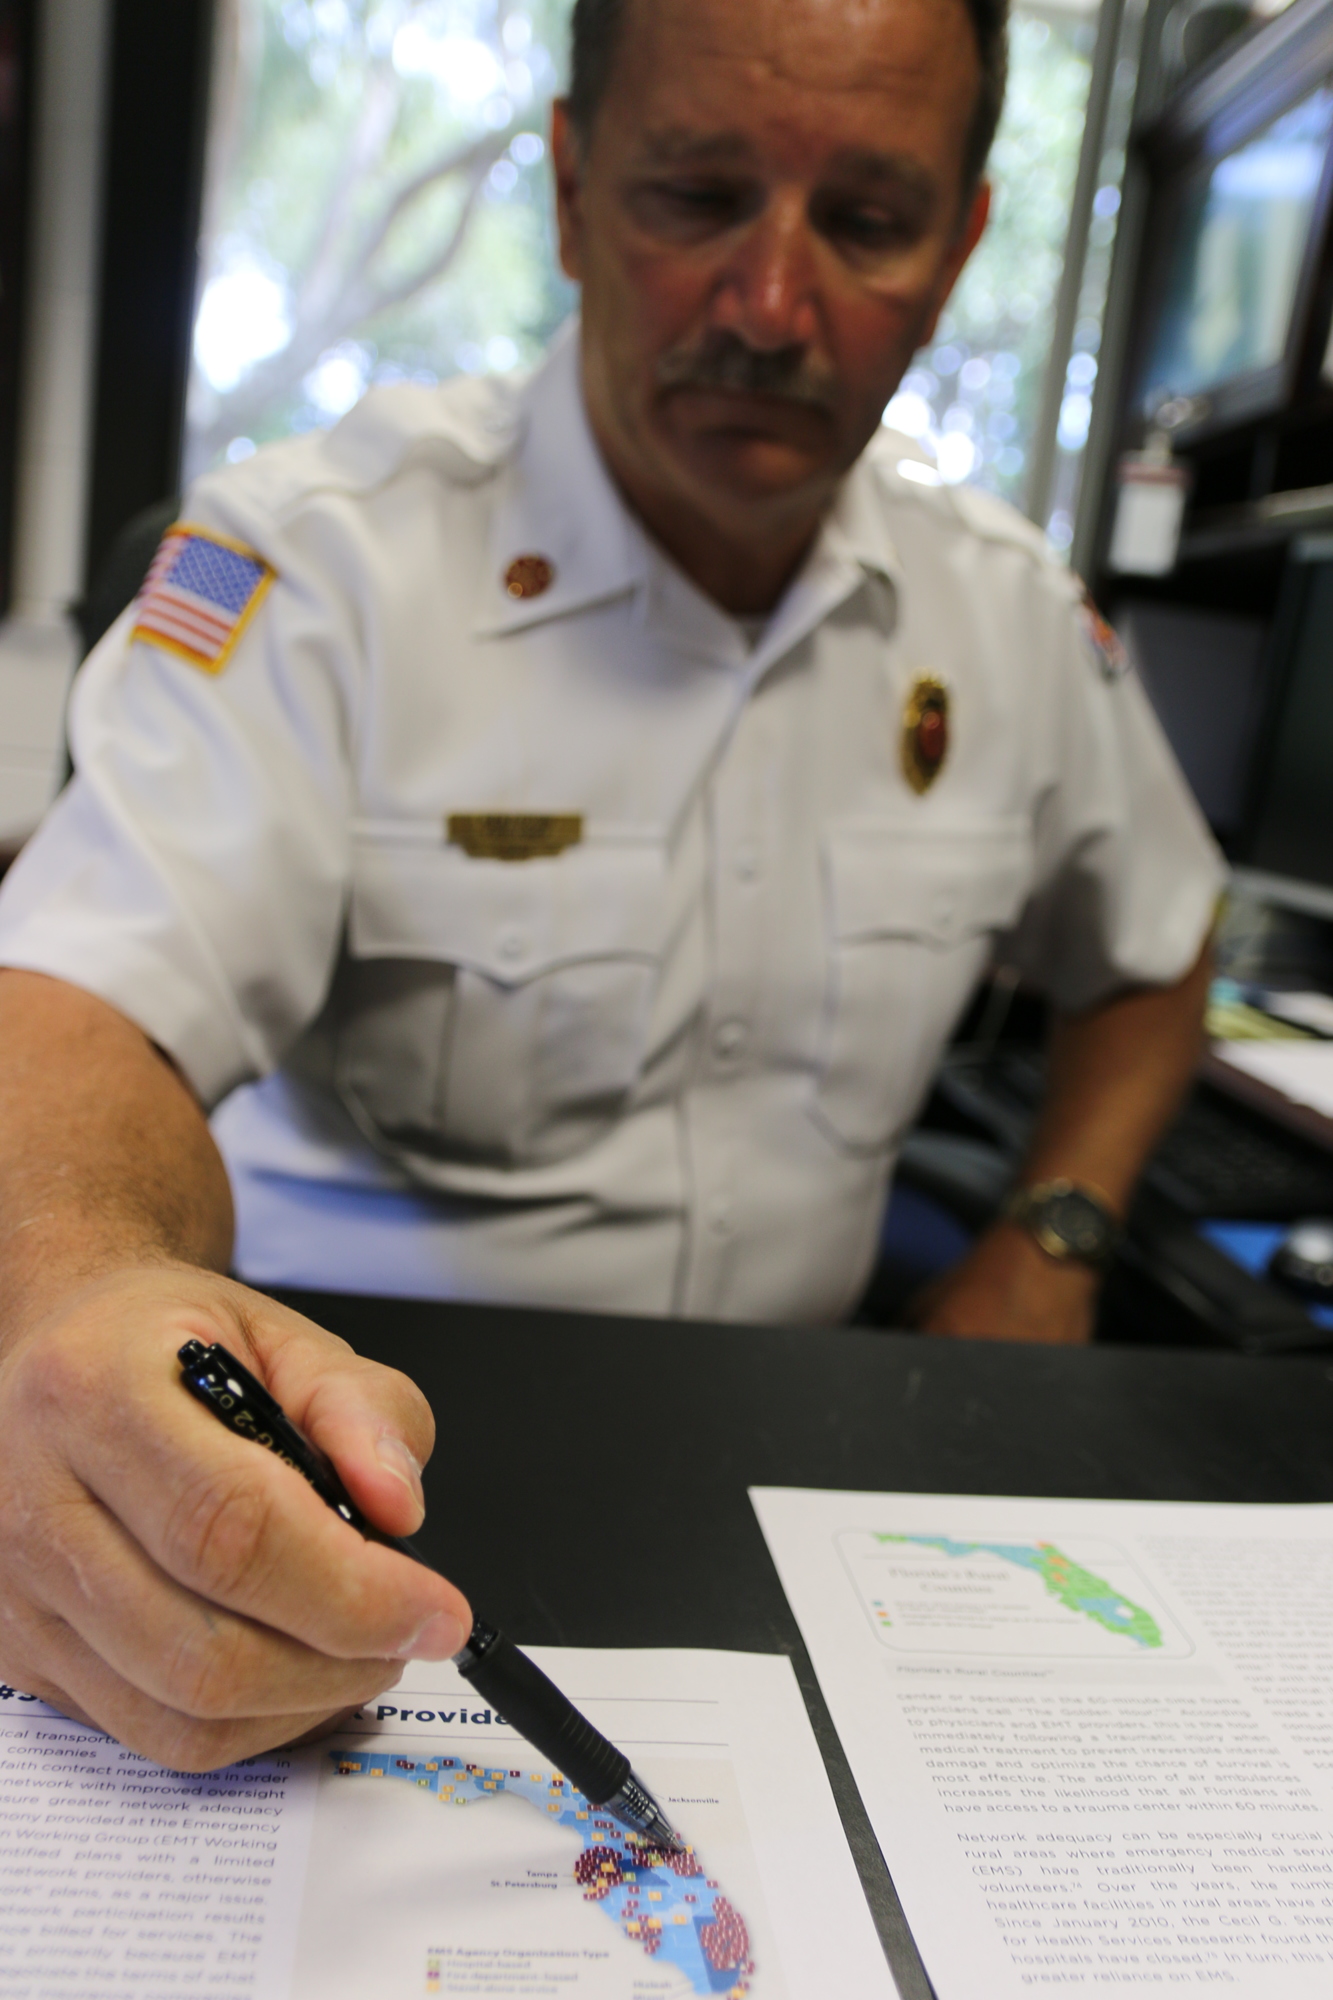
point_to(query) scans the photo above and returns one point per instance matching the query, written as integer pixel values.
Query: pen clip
(225, 1386)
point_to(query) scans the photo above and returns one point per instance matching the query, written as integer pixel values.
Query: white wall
(38, 645)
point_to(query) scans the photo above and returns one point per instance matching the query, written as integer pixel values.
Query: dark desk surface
(532, 1410)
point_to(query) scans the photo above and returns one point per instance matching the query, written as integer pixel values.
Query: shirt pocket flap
(510, 921)
(941, 885)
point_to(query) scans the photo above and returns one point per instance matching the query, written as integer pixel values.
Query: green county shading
(662, 1902)
(1065, 1580)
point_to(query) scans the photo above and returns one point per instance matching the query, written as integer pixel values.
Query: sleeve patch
(1105, 641)
(199, 596)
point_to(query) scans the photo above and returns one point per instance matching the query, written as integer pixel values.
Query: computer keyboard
(1217, 1160)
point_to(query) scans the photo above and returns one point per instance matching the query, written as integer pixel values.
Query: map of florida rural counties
(1067, 1581)
(662, 1902)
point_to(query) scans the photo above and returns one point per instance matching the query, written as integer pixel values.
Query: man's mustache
(723, 361)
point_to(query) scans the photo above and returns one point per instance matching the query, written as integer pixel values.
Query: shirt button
(719, 1216)
(513, 946)
(728, 1039)
(747, 864)
(946, 915)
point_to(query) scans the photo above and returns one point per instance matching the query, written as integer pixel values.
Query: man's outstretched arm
(157, 1575)
(1116, 1077)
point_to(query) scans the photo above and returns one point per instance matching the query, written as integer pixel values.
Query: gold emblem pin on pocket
(925, 737)
(514, 836)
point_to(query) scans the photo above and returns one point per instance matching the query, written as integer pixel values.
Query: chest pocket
(496, 1012)
(911, 918)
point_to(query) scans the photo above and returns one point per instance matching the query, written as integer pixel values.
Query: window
(377, 207)
(974, 397)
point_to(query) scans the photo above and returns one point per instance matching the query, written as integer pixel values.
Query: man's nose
(766, 292)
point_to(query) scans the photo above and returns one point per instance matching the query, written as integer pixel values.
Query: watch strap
(1037, 1208)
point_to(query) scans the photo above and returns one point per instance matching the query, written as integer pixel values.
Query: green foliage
(1000, 316)
(322, 129)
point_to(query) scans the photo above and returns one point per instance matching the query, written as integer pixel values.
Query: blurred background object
(378, 208)
(51, 121)
(1197, 30)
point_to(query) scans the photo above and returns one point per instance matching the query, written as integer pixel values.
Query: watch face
(1077, 1223)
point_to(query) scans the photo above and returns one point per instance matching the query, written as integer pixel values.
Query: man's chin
(746, 470)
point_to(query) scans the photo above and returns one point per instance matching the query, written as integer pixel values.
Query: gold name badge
(514, 836)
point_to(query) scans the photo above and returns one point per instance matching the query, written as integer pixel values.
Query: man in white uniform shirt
(563, 822)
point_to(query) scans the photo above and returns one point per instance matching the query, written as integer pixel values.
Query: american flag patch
(199, 596)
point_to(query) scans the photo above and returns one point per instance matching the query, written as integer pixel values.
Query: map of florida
(1067, 1581)
(662, 1902)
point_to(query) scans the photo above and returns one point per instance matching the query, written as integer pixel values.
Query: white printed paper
(429, 1851)
(1301, 1071)
(1095, 1739)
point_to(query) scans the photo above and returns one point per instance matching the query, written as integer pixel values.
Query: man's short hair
(596, 36)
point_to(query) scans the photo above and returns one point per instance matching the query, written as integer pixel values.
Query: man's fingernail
(439, 1639)
(395, 1457)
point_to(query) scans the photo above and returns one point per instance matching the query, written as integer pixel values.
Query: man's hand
(1007, 1288)
(1115, 1077)
(177, 1585)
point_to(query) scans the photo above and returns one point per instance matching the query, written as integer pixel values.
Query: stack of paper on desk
(429, 1851)
(1301, 1071)
(1095, 1739)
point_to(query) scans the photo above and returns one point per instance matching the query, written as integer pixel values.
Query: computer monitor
(1248, 709)
(1288, 832)
(1203, 672)
(1239, 237)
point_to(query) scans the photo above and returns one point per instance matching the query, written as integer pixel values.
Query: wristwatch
(1070, 1222)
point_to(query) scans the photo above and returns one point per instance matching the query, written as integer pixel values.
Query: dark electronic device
(1218, 1159)
(1303, 1261)
(507, 1678)
(1249, 714)
(1234, 303)
(1289, 824)
(1241, 199)
(1205, 674)
(1221, 1160)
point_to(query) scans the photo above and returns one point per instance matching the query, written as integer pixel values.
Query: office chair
(121, 570)
(115, 583)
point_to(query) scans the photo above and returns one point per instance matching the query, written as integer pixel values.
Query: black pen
(515, 1688)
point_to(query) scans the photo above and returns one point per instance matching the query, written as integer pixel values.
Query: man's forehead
(695, 146)
(705, 79)
(819, 43)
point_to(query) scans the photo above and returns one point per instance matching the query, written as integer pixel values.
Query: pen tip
(636, 1808)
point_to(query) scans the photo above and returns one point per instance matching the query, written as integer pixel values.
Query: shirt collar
(852, 547)
(559, 501)
(858, 530)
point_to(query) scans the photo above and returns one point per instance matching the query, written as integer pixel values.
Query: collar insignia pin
(925, 737)
(529, 576)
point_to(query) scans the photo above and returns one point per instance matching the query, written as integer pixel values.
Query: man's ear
(567, 161)
(966, 241)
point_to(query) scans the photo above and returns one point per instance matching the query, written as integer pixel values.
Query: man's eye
(870, 229)
(691, 195)
(689, 202)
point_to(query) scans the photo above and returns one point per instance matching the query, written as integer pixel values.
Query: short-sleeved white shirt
(667, 1069)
